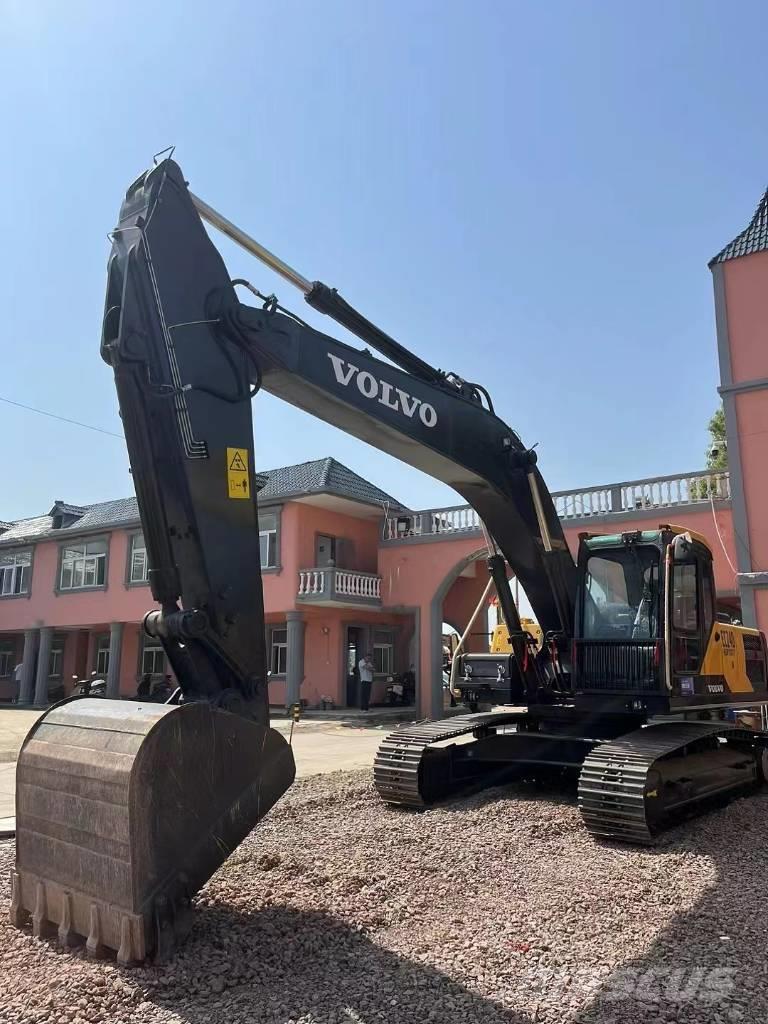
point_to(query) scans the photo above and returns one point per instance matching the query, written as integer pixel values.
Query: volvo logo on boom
(378, 390)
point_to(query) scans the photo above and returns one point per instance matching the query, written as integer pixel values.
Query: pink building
(346, 569)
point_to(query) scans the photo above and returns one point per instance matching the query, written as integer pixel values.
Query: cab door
(692, 611)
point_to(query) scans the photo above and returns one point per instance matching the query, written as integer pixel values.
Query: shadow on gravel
(709, 965)
(282, 965)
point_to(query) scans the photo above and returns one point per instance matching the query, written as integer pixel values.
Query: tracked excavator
(125, 809)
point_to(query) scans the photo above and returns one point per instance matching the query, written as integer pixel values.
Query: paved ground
(318, 746)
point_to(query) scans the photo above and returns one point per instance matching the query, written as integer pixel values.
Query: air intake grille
(627, 666)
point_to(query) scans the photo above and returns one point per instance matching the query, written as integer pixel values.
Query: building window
(15, 572)
(56, 663)
(7, 660)
(138, 564)
(383, 652)
(83, 565)
(152, 658)
(102, 655)
(268, 539)
(278, 651)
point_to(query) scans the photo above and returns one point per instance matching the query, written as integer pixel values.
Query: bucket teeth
(94, 946)
(124, 811)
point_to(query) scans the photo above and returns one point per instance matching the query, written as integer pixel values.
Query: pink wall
(752, 417)
(461, 601)
(362, 536)
(746, 293)
(746, 309)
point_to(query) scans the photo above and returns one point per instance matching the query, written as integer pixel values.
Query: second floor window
(139, 566)
(268, 539)
(15, 572)
(83, 565)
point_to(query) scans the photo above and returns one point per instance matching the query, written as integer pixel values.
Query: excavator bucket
(124, 810)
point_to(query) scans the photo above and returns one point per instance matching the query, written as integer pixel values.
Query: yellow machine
(500, 642)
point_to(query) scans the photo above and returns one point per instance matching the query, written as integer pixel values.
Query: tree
(717, 460)
(717, 454)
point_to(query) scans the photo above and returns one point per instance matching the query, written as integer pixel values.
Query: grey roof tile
(323, 476)
(754, 237)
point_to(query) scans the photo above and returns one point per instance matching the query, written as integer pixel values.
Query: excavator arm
(186, 352)
(125, 809)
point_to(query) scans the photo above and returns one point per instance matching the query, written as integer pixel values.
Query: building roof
(323, 476)
(754, 237)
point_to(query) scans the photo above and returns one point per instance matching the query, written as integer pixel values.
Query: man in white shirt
(17, 674)
(365, 668)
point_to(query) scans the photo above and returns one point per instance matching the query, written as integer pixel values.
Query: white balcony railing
(312, 582)
(331, 584)
(358, 584)
(630, 496)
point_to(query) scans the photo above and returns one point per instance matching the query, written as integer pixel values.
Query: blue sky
(525, 193)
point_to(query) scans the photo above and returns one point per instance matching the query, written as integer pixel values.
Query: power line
(64, 419)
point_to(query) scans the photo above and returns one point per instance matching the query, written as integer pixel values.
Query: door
(325, 551)
(693, 613)
(354, 652)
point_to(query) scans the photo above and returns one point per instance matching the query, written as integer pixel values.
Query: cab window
(707, 600)
(685, 605)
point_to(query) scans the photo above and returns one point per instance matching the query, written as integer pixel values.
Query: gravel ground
(493, 908)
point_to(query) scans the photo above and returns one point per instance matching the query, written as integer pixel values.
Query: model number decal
(729, 641)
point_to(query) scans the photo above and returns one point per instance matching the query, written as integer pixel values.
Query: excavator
(126, 808)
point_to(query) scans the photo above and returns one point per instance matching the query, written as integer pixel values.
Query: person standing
(365, 668)
(17, 673)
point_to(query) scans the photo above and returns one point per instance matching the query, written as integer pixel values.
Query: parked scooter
(401, 688)
(93, 686)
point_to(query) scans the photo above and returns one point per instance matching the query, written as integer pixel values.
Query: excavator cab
(647, 632)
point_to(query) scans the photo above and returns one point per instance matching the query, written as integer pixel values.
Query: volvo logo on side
(378, 390)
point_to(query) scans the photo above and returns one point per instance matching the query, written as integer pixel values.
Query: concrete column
(26, 689)
(43, 666)
(294, 673)
(115, 652)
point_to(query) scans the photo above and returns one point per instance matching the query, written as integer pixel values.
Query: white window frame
(278, 651)
(137, 556)
(269, 553)
(15, 573)
(154, 646)
(101, 653)
(83, 566)
(386, 649)
(56, 660)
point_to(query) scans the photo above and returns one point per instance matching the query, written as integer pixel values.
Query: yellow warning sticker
(238, 481)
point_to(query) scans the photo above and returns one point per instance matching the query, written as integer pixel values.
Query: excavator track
(632, 787)
(408, 771)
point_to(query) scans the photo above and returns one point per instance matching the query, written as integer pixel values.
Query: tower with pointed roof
(740, 277)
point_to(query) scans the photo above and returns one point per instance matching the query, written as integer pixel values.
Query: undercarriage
(634, 778)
